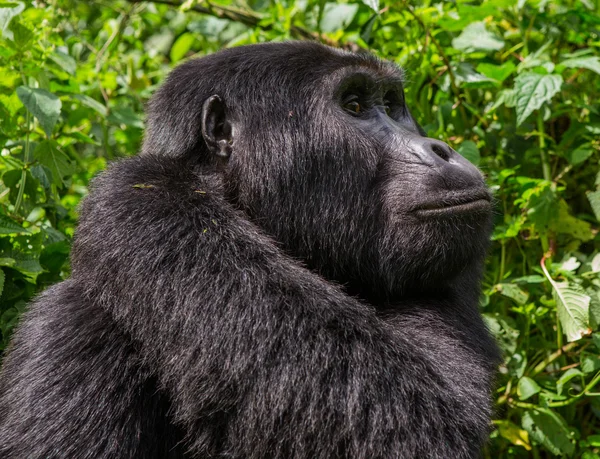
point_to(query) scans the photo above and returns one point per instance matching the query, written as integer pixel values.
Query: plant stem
(542, 142)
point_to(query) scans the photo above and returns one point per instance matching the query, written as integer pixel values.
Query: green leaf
(513, 292)
(513, 433)
(590, 363)
(573, 308)
(337, 16)
(566, 377)
(373, 4)
(497, 72)
(2, 277)
(9, 226)
(22, 36)
(549, 429)
(42, 104)
(565, 223)
(9, 10)
(579, 155)
(588, 62)
(468, 149)
(531, 90)
(66, 62)
(181, 46)
(91, 103)
(48, 155)
(475, 37)
(527, 388)
(594, 198)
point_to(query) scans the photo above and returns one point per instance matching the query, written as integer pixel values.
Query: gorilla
(288, 269)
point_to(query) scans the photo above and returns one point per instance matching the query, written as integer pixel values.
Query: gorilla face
(319, 149)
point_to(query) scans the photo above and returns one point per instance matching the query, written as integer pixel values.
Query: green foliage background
(513, 86)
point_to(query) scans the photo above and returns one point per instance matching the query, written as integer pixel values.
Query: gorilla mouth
(458, 204)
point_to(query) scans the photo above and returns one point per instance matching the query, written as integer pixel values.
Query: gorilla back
(289, 269)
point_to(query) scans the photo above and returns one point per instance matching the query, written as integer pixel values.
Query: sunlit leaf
(513, 433)
(9, 10)
(527, 388)
(475, 37)
(586, 62)
(468, 149)
(48, 155)
(337, 16)
(181, 46)
(42, 104)
(531, 90)
(566, 377)
(66, 62)
(594, 198)
(549, 429)
(572, 306)
(9, 226)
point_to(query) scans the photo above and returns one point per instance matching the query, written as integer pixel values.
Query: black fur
(291, 301)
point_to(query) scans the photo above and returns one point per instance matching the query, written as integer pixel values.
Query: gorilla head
(318, 147)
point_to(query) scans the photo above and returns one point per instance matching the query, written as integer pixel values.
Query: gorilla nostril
(442, 151)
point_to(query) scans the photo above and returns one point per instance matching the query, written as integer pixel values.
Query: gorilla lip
(477, 202)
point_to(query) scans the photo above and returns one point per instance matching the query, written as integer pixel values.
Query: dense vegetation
(513, 86)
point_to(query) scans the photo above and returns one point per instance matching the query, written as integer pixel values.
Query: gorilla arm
(259, 356)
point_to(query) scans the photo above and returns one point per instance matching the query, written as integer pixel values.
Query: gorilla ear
(216, 128)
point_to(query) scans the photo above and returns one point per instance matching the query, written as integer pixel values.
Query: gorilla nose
(448, 162)
(436, 147)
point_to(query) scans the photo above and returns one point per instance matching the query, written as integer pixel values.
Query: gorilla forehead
(264, 78)
(268, 63)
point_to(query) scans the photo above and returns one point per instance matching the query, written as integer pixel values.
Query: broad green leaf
(91, 103)
(503, 330)
(594, 198)
(9, 10)
(566, 377)
(572, 306)
(513, 292)
(579, 155)
(595, 263)
(181, 46)
(468, 77)
(549, 429)
(468, 149)
(527, 388)
(337, 16)
(66, 62)
(210, 26)
(543, 206)
(48, 155)
(497, 72)
(565, 223)
(513, 433)
(22, 36)
(475, 37)
(588, 62)
(570, 264)
(531, 90)
(590, 363)
(373, 4)
(42, 104)
(9, 226)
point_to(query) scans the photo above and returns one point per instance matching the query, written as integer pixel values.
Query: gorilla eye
(353, 105)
